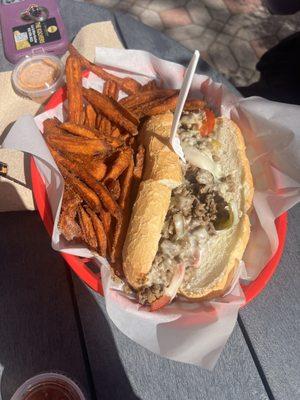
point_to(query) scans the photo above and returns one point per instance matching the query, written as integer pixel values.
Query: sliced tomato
(160, 303)
(208, 124)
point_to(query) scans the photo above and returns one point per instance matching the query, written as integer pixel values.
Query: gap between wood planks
(255, 359)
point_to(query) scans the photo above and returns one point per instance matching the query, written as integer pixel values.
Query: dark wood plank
(272, 320)
(143, 374)
(38, 330)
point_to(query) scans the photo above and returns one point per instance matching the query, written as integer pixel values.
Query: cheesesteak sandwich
(189, 226)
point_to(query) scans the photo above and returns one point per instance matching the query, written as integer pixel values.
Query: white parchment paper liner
(192, 333)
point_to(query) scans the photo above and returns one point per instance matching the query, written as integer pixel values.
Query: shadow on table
(109, 377)
(38, 331)
(39, 328)
(9, 197)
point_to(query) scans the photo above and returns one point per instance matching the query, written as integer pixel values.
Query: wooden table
(50, 321)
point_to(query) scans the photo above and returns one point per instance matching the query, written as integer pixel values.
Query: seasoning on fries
(87, 194)
(114, 188)
(88, 231)
(99, 232)
(67, 223)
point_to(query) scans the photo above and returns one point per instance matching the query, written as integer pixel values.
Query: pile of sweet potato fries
(99, 156)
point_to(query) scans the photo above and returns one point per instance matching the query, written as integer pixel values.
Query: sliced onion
(180, 201)
(200, 234)
(171, 290)
(169, 248)
(179, 224)
(196, 258)
(176, 281)
(201, 159)
(235, 212)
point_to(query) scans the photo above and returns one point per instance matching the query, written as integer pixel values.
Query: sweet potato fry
(115, 142)
(122, 224)
(110, 89)
(167, 105)
(126, 181)
(159, 106)
(99, 232)
(118, 240)
(49, 124)
(112, 110)
(96, 187)
(91, 116)
(79, 130)
(76, 145)
(96, 168)
(52, 125)
(114, 188)
(128, 85)
(70, 198)
(146, 96)
(98, 120)
(74, 89)
(87, 228)
(120, 164)
(129, 140)
(194, 104)
(81, 159)
(115, 132)
(67, 224)
(94, 165)
(87, 194)
(85, 133)
(139, 162)
(151, 85)
(82, 118)
(105, 126)
(106, 220)
(141, 110)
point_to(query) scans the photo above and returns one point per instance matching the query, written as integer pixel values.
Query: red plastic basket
(81, 265)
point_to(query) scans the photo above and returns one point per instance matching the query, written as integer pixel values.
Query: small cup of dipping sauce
(49, 386)
(38, 76)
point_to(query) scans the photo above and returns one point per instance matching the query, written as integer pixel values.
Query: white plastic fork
(186, 84)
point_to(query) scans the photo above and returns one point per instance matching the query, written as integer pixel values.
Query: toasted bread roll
(222, 250)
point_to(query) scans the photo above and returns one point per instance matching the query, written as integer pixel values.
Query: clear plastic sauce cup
(48, 386)
(38, 76)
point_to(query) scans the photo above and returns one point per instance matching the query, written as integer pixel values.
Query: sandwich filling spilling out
(198, 210)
